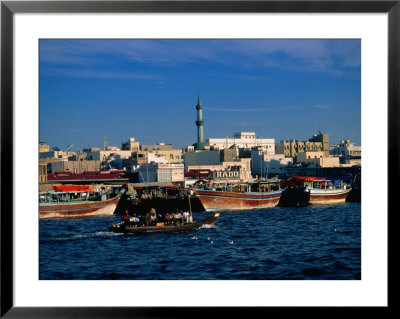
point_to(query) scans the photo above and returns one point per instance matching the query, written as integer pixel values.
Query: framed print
(77, 73)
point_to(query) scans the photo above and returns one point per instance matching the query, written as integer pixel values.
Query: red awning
(72, 188)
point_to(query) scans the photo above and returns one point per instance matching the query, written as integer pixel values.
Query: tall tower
(105, 144)
(199, 123)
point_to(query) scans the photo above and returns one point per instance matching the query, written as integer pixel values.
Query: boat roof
(73, 188)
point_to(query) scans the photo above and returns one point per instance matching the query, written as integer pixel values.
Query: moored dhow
(320, 191)
(240, 196)
(75, 201)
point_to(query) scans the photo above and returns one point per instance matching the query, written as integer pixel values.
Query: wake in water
(70, 237)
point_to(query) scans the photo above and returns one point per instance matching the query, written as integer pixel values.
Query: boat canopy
(334, 181)
(72, 188)
(295, 180)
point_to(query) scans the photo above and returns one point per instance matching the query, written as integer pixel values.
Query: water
(305, 243)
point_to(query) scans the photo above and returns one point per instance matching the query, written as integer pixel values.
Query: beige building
(75, 166)
(318, 143)
(171, 154)
(318, 159)
(43, 147)
(348, 152)
(173, 173)
(131, 145)
(42, 171)
(64, 155)
(104, 155)
(291, 148)
(324, 140)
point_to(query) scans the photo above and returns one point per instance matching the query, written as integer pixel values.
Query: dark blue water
(311, 243)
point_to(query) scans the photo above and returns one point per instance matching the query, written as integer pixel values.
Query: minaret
(200, 123)
(105, 144)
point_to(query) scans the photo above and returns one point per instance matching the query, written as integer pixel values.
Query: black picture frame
(9, 8)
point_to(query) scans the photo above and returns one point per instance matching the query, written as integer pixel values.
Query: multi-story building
(102, 155)
(43, 147)
(267, 165)
(348, 152)
(317, 158)
(42, 171)
(198, 158)
(291, 148)
(171, 154)
(161, 173)
(64, 155)
(244, 140)
(130, 145)
(318, 143)
(324, 139)
(74, 166)
(229, 154)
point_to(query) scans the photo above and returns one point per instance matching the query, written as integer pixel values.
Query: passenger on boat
(148, 219)
(142, 220)
(172, 219)
(179, 217)
(125, 217)
(186, 217)
(167, 218)
(134, 220)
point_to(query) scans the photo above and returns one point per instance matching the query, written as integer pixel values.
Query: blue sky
(147, 89)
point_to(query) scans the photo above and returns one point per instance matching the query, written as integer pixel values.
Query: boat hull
(294, 197)
(78, 209)
(228, 201)
(130, 229)
(328, 196)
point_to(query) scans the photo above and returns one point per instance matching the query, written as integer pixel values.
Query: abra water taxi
(130, 228)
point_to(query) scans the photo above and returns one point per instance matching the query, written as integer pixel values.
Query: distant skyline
(148, 89)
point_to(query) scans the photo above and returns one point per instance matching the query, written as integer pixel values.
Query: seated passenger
(167, 218)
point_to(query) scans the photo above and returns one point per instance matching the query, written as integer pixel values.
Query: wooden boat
(320, 191)
(240, 196)
(161, 227)
(75, 201)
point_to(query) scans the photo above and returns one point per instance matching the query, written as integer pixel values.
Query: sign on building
(226, 175)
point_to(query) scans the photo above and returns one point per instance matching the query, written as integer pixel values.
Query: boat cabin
(241, 187)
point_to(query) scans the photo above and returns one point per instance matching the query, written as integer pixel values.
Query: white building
(264, 164)
(350, 153)
(244, 140)
(161, 173)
